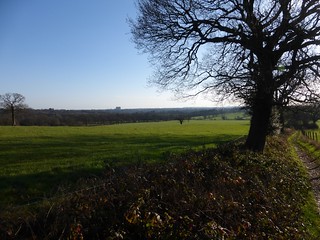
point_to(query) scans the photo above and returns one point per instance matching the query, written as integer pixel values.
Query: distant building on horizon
(118, 108)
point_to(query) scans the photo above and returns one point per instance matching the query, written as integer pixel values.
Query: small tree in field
(12, 102)
(264, 53)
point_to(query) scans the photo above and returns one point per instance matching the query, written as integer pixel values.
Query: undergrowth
(222, 193)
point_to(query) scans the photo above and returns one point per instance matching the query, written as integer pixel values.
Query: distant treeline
(299, 117)
(52, 117)
(302, 117)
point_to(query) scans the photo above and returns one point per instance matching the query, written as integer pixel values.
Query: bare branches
(12, 102)
(263, 52)
(9, 100)
(249, 38)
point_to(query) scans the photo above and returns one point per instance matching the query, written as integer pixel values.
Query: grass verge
(310, 146)
(311, 217)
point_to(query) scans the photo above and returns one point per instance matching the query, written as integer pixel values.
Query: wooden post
(313, 136)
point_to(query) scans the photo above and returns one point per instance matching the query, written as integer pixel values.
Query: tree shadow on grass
(56, 162)
(24, 190)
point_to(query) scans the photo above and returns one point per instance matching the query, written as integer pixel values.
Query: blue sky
(75, 54)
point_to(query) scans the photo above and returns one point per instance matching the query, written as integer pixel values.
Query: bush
(222, 193)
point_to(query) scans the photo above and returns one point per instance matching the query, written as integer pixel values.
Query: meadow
(35, 161)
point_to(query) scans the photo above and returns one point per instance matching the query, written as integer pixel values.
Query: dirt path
(313, 169)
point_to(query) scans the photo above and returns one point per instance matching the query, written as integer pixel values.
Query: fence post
(313, 136)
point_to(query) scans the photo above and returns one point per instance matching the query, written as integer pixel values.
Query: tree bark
(13, 117)
(262, 104)
(259, 126)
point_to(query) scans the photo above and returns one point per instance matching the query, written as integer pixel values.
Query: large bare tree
(12, 102)
(263, 52)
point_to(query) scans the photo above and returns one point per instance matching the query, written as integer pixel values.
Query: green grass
(36, 160)
(223, 193)
(310, 145)
(314, 134)
(310, 216)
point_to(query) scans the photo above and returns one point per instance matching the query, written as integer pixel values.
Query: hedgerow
(223, 193)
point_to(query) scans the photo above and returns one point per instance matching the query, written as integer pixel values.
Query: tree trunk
(13, 118)
(261, 104)
(282, 120)
(260, 123)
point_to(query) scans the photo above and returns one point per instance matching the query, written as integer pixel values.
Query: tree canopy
(262, 52)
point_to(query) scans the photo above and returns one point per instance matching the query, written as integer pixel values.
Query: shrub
(222, 193)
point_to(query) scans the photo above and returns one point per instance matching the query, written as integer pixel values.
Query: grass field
(36, 160)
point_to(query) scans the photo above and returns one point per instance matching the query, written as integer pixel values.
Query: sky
(76, 54)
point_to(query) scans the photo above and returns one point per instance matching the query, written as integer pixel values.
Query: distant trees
(52, 117)
(302, 116)
(262, 52)
(12, 102)
(314, 111)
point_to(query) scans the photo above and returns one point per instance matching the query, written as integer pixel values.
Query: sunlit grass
(223, 193)
(26, 150)
(38, 159)
(310, 212)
